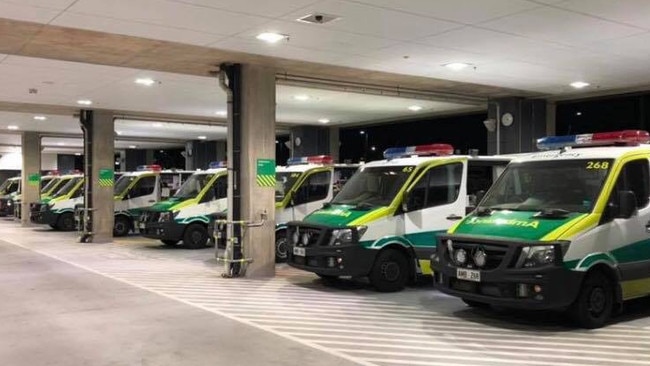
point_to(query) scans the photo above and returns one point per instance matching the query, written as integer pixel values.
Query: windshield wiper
(552, 213)
(363, 206)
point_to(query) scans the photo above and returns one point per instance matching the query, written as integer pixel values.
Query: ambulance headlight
(295, 237)
(346, 236)
(538, 256)
(167, 216)
(9, 203)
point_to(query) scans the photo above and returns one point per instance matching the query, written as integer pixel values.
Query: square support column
(257, 142)
(30, 183)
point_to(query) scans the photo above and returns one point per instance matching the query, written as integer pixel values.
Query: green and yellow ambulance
(302, 186)
(381, 223)
(57, 210)
(567, 228)
(49, 184)
(8, 191)
(187, 214)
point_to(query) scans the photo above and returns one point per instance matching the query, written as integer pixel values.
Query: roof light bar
(52, 172)
(420, 150)
(625, 137)
(317, 159)
(154, 167)
(218, 164)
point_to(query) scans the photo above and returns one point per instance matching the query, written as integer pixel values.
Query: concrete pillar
(31, 173)
(528, 123)
(258, 142)
(102, 152)
(200, 153)
(314, 140)
(222, 150)
(335, 144)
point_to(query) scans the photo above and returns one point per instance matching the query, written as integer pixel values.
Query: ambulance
(8, 191)
(49, 185)
(135, 191)
(567, 228)
(57, 211)
(302, 186)
(187, 214)
(383, 223)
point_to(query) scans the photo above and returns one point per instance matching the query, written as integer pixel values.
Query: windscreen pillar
(98, 127)
(251, 152)
(31, 173)
(514, 124)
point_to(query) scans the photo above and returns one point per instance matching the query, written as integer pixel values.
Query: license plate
(468, 275)
(299, 251)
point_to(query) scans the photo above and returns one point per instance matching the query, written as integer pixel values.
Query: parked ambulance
(187, 214)
(567, 228)
(383, 223)
(57, 211)
(302, 186)
(135, 191)
(49, 184)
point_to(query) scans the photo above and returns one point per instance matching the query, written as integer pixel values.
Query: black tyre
(195, 236)
(170, 243)
(390, 271)
(121, 226)
(53, 226)
(328, 278)
(475, 304)
(595, 302)
(66, 222)
(281, 246)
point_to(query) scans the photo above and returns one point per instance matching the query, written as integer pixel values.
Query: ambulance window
(315, 187)
(440, 186)
(217, 191)
(634, 177)
(143, 187)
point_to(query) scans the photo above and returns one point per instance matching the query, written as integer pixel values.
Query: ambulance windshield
(193, 186)
(284, 181)
(68, 187)
(559, 186)
(49, 184)
(373, 186)
(123, 183)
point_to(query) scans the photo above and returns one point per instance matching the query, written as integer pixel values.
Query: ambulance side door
(435, 202)
(143, 193)
(314, 190)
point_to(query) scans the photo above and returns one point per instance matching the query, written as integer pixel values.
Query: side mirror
(627, 204)
(479, 196)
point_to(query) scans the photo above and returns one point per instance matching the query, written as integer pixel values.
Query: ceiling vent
(318, 18)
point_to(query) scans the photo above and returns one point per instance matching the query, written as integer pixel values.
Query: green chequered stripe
(106, 182)
(266, 180)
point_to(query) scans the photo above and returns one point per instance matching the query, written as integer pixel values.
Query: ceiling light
(157, 124)
(12, 127)
(40, 118)
(145, 81)
(456, 66)
(324, 120)
(579, 84)
(118, 132)
(222, 113)
(414, 108)
(270, 37)
(60, 143)
(84, 102)
(578, 113)
(301, 97)
(77, 154)
(202, 137)
(132, 146)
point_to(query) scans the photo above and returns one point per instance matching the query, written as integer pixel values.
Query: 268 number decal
(598, 165)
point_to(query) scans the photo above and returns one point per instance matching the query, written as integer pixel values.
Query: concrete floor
(137, 303)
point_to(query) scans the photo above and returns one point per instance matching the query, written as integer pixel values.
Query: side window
(316, 187)
(633, 177)
(143, 187)
(480, 177)
(439, 186)
(217, 190)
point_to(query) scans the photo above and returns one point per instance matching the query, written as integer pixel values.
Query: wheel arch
(611, 273)
(406, 250)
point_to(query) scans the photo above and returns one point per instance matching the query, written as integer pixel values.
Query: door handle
(454, 217)
(152, 201)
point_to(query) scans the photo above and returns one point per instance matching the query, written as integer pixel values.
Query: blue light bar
(626, 137)
(218, 164)
(318, 159)
(432, 149)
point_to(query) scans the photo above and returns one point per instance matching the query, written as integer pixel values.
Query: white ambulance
(567, 228)
(383, 223)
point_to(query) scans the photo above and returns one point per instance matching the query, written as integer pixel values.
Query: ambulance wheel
(281, 247)
(475, 304)
(169, 242)
(195, 237)
(121, 227)
(390, 271)
(66, 222)
(53, 226)
(595, 302)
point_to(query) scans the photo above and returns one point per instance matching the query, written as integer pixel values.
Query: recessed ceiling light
(77, 154)
(324, 120)
(202, 137)
(301, 97)
(12, 127)
(414, 108)
(271, 37)
(60, 143)
(84, 102)
(118, 132)
(578, 113)
(579, 84)
(40, 118)
(157, 124)
(145, 81)
(132, 146)
(456, 66)
(222, 113)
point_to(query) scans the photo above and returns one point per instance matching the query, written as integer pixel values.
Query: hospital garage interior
(324, 182)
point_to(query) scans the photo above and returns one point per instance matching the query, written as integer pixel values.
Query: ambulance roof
(417, 160)
(604, 152)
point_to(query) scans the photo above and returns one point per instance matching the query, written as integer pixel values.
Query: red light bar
(431, 149)
(154, 167)
(625, 137)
